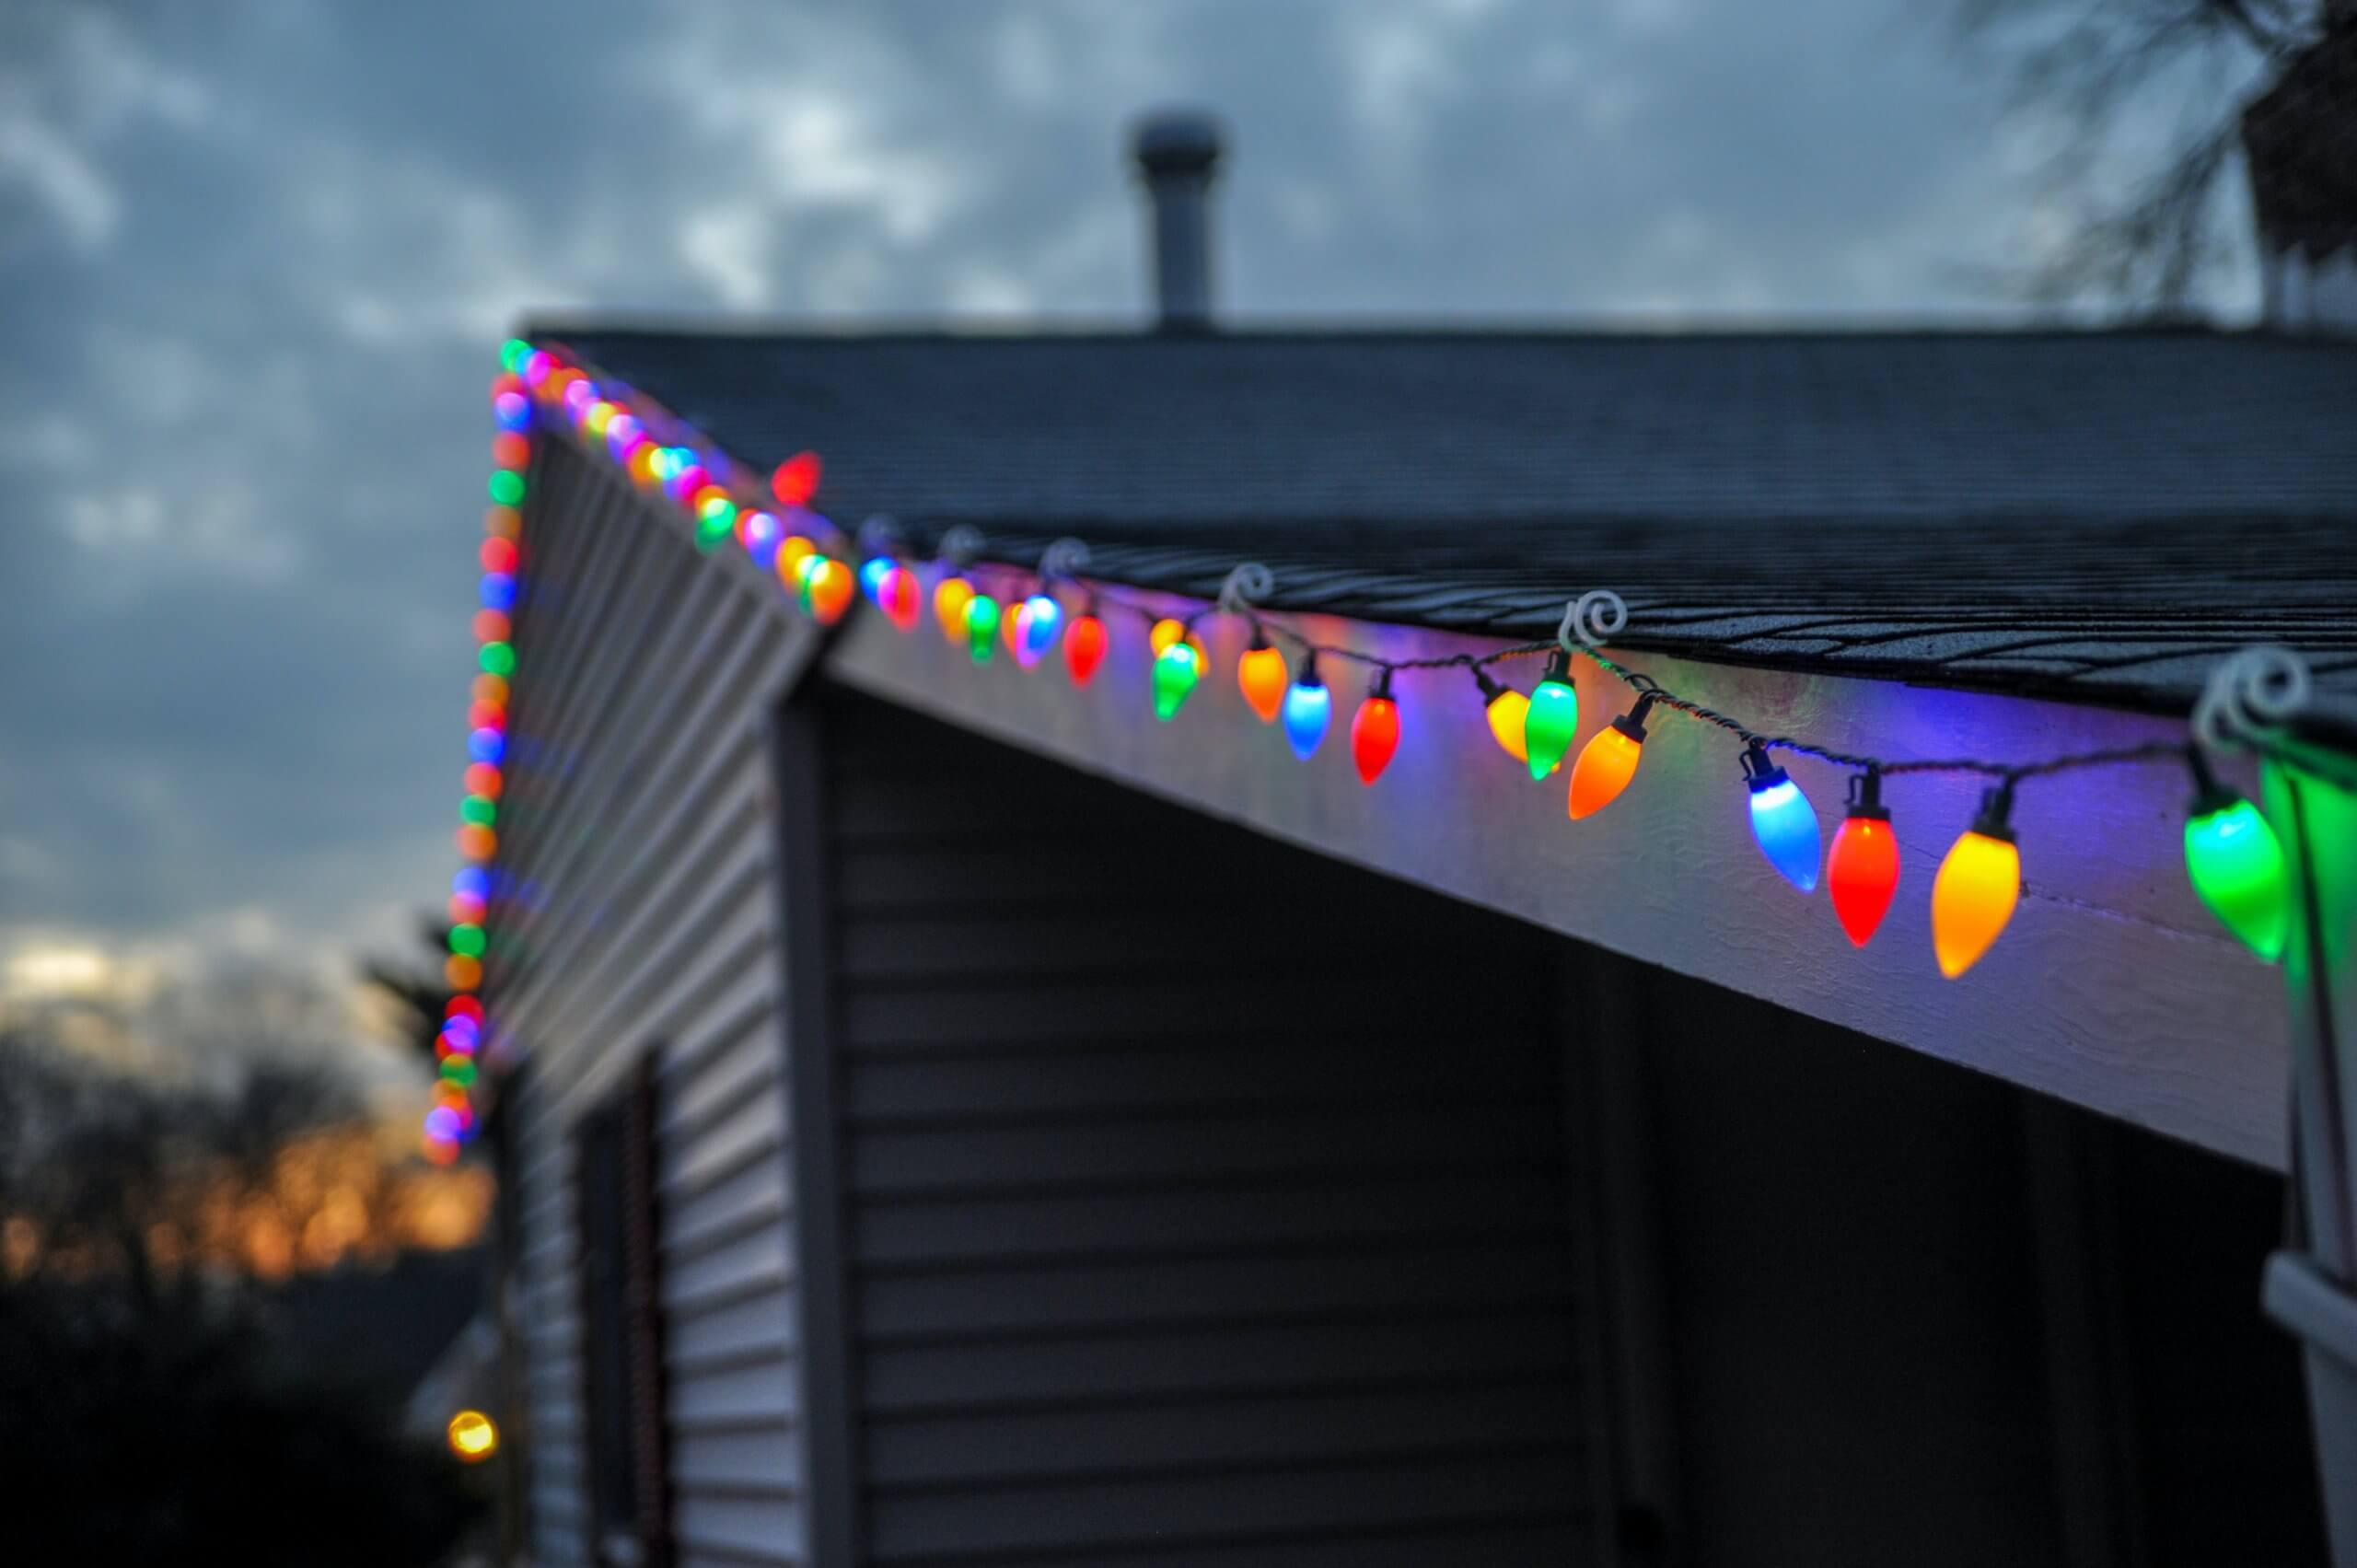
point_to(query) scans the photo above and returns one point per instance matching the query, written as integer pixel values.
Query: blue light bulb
(1042, 618)
(486, 745)
(497, 590)
(1782, 820)
(1308, 708)
(871, 575)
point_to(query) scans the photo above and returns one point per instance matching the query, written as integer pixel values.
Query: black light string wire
(1266, 623)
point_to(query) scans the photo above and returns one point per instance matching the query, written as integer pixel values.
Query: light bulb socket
(1260, 638)
(1865, 796)
(1382, 684)
(1995, 820)
(1306, 673)
(2210, 796)
(1759, 770)
(1633, 723)
(1559, 667)
(1491, 690)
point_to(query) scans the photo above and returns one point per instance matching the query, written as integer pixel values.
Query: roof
(2091, 514)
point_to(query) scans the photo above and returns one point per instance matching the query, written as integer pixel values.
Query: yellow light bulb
(950, 597)
(473, 1437)
(1507, 710)
(1979, 884)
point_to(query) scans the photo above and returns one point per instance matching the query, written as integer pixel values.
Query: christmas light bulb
(897, 596)
(982, 627)
(716, 522)
(1261, 674)
(796, 480)
(1979, 884)
(871, 576)
(793, 552)
(763, 534)
(1084, 647)
(1781, 820)
(1374, 731)
(1308, 708)
(1609, 762)
(950, 597)
(1010, 626)
(1167, 632)
(1505, 707)
(2237, 865)
(1175, 671)
(830, 589)
(1042, 618)
(1552, 718)
(1862, 870)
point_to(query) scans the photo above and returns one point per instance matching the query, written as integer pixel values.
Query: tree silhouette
(2149, 244)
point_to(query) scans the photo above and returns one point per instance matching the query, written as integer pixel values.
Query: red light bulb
(1863, 869)
(1374, 731)
(796, 480)
(1084, 647)
(897, 596)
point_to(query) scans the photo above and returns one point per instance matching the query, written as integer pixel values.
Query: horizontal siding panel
(1087, 1299)
(1419, 1138)
(769, 1529)
(754, 1197)
(1246, 1072)
(1191, 1435)
(752, 1128)
(768, 1460)
(742, 1328)
(1017, 1011)
(767, 1391)
(758, 1261)
(734, 1059)
(1311, 1358)
(1111, 1224)
(1541, 1543)
(1102, 1514)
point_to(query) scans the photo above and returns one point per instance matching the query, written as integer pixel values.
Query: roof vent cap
(1178, 154)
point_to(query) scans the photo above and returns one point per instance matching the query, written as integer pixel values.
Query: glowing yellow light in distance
(473, 1437)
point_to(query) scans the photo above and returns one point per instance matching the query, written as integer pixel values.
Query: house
(976, 1093)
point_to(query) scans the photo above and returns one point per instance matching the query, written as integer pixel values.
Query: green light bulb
(982, 627)
(478, 808)
(2237, 868)
(1554, 717)
(1174, 674)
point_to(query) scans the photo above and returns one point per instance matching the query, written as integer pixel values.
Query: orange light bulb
(1260, 673)
(1609, 762)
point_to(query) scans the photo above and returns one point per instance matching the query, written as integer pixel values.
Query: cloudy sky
(255, 257)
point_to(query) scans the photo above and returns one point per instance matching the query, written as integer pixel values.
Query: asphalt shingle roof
(2089, 514)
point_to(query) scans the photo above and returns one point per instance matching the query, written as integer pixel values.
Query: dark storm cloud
(254, 258)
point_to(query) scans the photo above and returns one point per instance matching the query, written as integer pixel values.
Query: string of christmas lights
(2234, 859)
